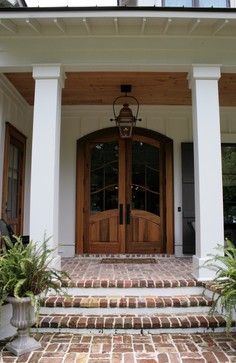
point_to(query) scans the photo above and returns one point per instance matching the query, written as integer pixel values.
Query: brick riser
(132, 322)
(125, 302)
(130, 306)
(135, 283)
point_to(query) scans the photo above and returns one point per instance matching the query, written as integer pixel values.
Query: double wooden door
(122, 205)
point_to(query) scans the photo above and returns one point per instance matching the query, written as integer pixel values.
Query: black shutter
(188, 207)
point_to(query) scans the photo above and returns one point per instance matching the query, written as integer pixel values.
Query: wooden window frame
(12, 132)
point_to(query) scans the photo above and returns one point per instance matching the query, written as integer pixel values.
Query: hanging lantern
(125, 121)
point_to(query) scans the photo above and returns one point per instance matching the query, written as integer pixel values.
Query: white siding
(15, 110)
(174, 122)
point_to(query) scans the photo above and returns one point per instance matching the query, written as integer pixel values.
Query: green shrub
(224, 283)
(25, 270)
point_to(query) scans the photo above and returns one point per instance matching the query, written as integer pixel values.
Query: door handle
(121, 214)
(128, 210)
(7, 210)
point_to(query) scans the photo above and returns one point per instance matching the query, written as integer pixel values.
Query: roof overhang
(100, 21)
(117, 39)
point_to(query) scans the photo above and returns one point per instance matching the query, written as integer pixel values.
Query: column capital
(204, 72)
(49, 71)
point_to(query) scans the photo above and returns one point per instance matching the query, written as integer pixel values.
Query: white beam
(220, 25)
(193, 26)
(87, 27)
(33, 24)
(60, 24)
(166, 25)
(8, 25)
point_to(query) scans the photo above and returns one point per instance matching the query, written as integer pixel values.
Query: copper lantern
(125, 121)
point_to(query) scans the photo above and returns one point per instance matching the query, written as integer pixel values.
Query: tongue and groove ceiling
(101, 88)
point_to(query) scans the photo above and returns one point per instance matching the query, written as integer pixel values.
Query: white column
(44, 201)
(207, 166)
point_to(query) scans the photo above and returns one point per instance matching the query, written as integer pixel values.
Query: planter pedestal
(23, 317)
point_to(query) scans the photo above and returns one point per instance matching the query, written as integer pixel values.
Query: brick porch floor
(163, 348)
(165, 268)
(127, 348)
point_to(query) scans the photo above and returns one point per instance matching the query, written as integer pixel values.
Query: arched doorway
(124, 193)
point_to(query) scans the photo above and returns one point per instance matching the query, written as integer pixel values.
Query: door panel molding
(164, 144)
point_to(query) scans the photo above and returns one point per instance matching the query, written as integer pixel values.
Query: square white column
(207, 167)
(44, 208)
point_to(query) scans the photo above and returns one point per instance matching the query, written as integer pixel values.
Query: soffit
(101, 88)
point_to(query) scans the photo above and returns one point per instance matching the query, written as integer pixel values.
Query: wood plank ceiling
(101, 88)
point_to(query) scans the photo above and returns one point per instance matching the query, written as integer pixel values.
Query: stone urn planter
(25, 274)
(23, 317)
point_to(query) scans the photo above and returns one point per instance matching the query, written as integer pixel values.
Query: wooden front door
(121, 195)
(13, 179)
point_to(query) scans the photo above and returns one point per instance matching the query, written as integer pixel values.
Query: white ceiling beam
(34, 25)
(166, 25)
(60, 24)
(87, 27)
(116, 25)
(8, 25)
(219, 26)
(143, 25)
(193, 26)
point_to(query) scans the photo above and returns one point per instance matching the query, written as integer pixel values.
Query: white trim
(171, 310)
(49, 71)
(205, 71)
(132, 291)
(158, 331)
(119, 14)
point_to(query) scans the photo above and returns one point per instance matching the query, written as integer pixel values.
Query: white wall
(15, 110)
(174, 122)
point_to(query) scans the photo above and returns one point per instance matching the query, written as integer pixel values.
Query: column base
(56, 263)
(200, 272)
(23, 345)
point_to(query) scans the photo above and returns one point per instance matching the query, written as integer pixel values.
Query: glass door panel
(144, 207)
(145, 177)
(104, 196)
(104, 177)
(13, 183)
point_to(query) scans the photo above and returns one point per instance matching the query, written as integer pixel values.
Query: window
(187, 3)
(229, 183)
(213, 3)
(197, 3)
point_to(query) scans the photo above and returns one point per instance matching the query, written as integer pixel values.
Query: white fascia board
(118, 14)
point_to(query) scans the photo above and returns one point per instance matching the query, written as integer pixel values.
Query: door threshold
(124, 255)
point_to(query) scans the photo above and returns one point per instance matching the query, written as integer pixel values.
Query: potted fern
(24, 275)
(224, 283)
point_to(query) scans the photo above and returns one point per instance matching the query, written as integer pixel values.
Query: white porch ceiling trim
(118, 25)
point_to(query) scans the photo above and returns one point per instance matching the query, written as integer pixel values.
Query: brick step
(132, 283)
(125, 302)
(173, 323)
